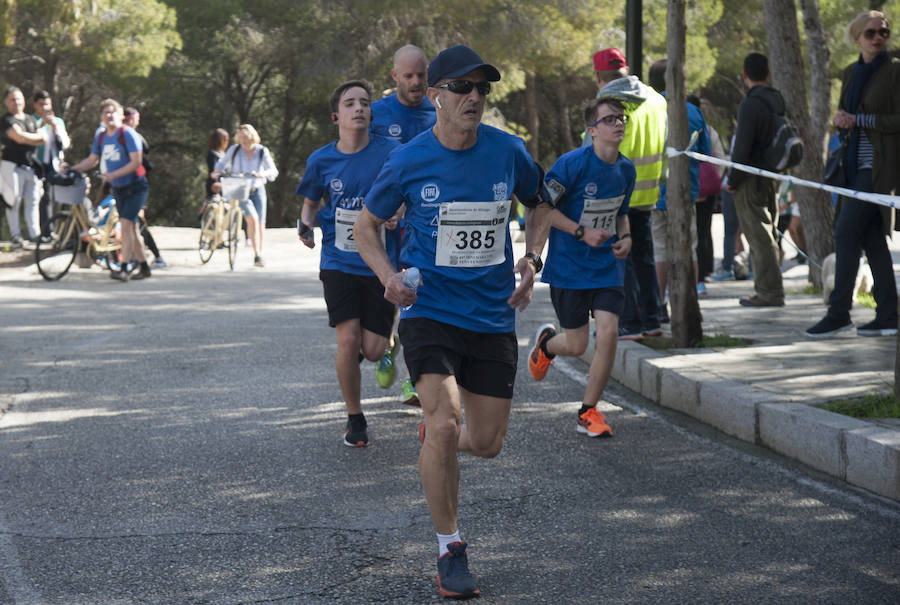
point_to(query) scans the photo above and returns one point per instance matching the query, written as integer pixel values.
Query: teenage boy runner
(585, 267)
(458, 336)
(341, 174)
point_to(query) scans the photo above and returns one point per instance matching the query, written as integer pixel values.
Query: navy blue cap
(457, 61)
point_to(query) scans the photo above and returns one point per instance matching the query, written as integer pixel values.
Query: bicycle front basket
(236, 187)
(68, 195)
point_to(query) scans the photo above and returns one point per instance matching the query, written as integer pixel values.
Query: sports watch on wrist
(579, 232)
(534, 258)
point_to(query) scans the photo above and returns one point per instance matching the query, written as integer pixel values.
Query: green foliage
(714, 341)
(874, 405)
(866, 300)
(700, 56)
(195, 65)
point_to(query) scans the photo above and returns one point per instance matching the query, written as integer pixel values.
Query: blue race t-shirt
(393, 119)
(433, 181)
(696, 122)
(345, 179)
(113, 156)
(596, 193)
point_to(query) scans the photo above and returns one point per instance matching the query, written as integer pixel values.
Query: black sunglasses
(611, 120)
(464, 87)
(883, 32)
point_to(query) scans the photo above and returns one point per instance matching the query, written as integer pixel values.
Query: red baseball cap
(609, 58)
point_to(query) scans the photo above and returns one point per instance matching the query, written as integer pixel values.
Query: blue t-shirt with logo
(426, 176)
(573, 264)
(345, 179)
(393, 119)
(113, 156)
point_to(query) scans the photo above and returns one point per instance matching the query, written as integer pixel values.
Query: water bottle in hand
(412, 279)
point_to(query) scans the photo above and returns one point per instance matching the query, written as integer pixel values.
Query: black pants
(641, 287)
(705, 260)
(860, 228)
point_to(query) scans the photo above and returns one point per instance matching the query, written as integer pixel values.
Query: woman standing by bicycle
(247, 156)
(218, 143)
(119, 152)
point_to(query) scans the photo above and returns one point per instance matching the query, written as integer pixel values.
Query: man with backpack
(754, 195)
(118, 150)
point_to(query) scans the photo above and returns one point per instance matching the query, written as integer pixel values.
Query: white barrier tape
(891, 201)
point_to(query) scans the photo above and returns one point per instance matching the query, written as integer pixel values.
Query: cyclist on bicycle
(118, 150)
(247, 156)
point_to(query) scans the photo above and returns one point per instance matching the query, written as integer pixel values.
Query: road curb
(855, 451)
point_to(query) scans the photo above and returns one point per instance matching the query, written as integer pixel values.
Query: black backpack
(786, 149)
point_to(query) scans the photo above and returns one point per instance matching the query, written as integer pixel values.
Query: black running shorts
(575, 307)
(484, 364)
(349, 296)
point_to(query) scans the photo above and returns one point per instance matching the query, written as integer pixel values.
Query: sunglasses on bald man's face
(883, 32)
(464, 87)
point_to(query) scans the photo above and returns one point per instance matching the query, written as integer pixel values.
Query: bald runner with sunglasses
(458, 332)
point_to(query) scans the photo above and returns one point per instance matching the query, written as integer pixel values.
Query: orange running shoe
(593, 424)
(538, 361)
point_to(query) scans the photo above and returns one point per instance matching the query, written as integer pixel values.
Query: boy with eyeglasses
(458, 335)
(589, 241)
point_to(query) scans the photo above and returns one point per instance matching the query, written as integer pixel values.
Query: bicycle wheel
(54, 258)
(208, 236)
(234, 236)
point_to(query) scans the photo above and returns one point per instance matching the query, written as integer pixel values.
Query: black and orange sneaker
(453, 578)
(355, 434)
(538, 361)
(593, 424)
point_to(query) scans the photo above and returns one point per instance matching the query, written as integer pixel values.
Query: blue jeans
(729, 240)
(255, 205)
(860, 228)
(641, 312)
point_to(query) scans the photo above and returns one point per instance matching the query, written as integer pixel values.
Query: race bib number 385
(472, 234)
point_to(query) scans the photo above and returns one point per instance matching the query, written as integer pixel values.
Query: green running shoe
(386, 371)
(408, 391)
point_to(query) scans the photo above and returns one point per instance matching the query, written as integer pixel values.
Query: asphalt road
(178, 440)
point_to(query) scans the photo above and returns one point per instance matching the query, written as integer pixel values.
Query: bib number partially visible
(344, 219)
(601, 214)
(472, 234)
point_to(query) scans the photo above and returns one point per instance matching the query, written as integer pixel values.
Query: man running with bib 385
(458, 328)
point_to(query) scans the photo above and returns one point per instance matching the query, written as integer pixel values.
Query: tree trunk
(565, 127)
(819, 82)
(687, 329)
(786, 59)
(531, 112)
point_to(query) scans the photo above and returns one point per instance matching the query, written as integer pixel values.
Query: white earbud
(438, 103)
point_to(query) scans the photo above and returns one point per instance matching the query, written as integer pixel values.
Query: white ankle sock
(444, 540)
